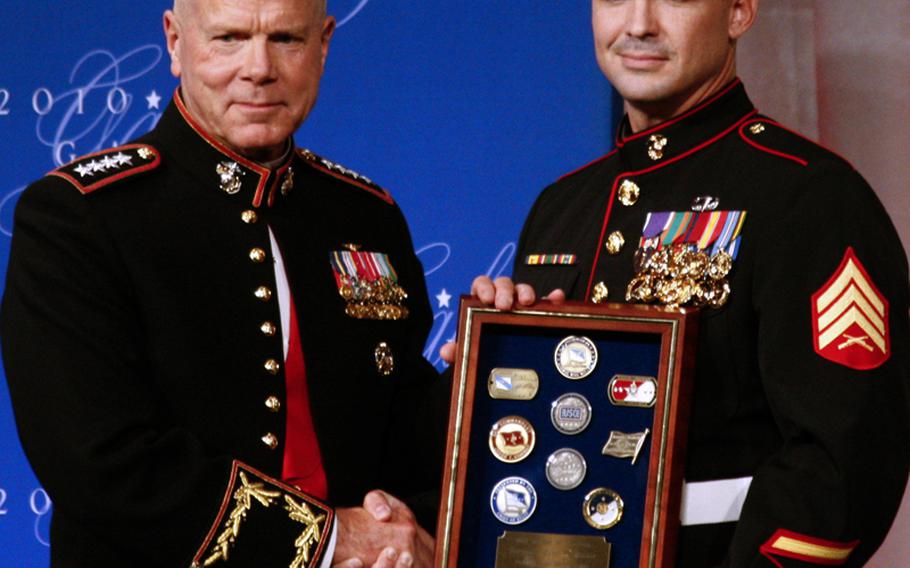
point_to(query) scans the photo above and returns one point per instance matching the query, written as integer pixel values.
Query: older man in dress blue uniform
(210, 334)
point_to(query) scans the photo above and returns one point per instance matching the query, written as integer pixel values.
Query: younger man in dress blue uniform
(799, 438)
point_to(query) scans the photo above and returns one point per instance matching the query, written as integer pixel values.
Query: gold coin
(512, 439)
(602, 508)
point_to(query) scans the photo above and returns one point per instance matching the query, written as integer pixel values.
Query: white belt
(709, 502)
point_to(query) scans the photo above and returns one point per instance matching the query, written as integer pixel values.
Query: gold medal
(720, 265)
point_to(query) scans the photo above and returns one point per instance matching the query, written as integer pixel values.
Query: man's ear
(172, 35)
(328, 28)
(742, 16)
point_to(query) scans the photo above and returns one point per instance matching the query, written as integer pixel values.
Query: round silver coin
(575, 357)
(513, 500)
(566, 469)
(570, 413)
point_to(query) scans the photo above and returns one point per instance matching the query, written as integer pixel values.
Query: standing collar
(683, 134)
(216, 165)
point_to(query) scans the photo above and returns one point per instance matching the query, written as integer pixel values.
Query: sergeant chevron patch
(850, 318)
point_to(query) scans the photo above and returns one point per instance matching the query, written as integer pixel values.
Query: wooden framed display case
(566, 436)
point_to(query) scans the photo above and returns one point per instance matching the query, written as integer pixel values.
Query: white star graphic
(83, 170)
(123, 159)
(108, 162)
(443, 298)
(96, 167)
(153, 100)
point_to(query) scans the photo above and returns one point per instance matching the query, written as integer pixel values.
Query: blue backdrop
(464, 111)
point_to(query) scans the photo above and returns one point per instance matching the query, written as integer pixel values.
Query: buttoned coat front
(142, 343)
(819, 424)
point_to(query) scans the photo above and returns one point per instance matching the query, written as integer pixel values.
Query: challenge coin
(632, 390)
(513, 500)
(513, 384)
(566, 469)
(575, 357)
(570, 413)
(602, 508)
(512, 439)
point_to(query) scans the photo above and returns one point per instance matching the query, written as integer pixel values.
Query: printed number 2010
(4, 110)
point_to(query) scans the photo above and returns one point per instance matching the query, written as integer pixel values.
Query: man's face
(249, 69)
(661, 53)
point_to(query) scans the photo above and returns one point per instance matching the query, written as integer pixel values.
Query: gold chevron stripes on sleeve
(851, 299)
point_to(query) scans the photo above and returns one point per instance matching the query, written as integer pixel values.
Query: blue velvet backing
(558, 511)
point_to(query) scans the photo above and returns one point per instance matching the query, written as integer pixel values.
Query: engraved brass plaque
(544, 550)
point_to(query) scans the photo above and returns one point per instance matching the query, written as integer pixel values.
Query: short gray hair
(321, 6)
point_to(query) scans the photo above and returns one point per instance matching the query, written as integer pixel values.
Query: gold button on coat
(249, 216)
(600, 294)
(268, 328)
(273, 404)
(271, 366)
(257, 255)
(615, 241)
(270, 440)
(628, 193)
(263, 293)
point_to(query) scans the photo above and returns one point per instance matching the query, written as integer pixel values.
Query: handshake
(383, 533)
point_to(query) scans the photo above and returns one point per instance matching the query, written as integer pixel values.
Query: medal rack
(566, 436)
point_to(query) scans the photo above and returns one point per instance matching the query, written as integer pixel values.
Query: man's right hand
(381, 534)
(502, 294)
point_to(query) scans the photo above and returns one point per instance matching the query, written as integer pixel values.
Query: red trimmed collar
(200, 153)
(678, 135)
